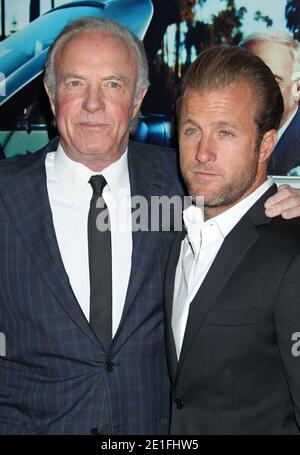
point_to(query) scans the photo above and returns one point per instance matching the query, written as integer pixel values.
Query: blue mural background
(174, 33)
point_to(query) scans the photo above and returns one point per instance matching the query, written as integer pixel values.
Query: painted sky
(273, 8)
(18, 10)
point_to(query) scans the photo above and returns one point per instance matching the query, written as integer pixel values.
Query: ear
(138, 101)
(51, 98)
(296, 86)
(267, 145)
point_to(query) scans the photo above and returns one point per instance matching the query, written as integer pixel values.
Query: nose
(205, 150)
(93, 100)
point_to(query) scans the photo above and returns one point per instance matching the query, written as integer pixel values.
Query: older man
(83, 331)
(282, 54)
(232, 284)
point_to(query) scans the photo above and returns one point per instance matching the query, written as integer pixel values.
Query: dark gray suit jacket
(56, 377)
(239, 368)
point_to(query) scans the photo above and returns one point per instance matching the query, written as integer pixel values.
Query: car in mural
(26, 122)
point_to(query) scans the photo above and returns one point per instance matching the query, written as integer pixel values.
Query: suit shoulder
(161, 162)
(159, 154)
(292, 225)
(20, 164)
(285, 234)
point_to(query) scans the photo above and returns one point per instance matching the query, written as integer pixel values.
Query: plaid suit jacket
(55, 377)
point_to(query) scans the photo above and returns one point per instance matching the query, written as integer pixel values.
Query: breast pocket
(233, 318)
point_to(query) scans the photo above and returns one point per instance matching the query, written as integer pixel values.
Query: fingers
(286, 202)
(284, 192)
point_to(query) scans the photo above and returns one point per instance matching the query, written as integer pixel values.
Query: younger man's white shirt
(198, 251)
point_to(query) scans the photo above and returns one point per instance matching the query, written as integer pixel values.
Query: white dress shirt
(70, 195)
(198, 251)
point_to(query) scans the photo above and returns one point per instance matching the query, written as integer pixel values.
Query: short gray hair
(103, 25)
(286, 39)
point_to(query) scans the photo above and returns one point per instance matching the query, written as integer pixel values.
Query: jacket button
(178, 403)
(109, 366)
(94, 431)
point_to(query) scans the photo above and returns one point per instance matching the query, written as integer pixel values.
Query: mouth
(93, 125)
(207, 176)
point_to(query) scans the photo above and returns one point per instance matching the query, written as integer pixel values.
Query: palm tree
(34, 10)
(2, 19)
(226, 26)
(292, 14)
(187, 15)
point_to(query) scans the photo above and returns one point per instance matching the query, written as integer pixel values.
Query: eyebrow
(220, 123)
(225, 124)
(114, 77)
(119, 77)
(193, 122)
(72, 76)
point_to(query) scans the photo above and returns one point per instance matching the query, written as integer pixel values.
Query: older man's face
(94, 103)
(280, 60)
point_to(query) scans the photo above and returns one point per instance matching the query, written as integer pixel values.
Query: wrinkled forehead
(231, 91)
(280, 57)
(100, 42)
(232, 104)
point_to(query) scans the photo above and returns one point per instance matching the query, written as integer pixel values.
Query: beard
(229, 193)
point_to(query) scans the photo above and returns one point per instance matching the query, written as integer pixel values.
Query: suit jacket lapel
(142, 176)
(168, 298)
(26, 199)
(234, 247)
(232, 251)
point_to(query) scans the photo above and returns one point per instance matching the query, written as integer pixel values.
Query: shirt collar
(117, 176)
(194, 220)
(228, 219)
(75, 176)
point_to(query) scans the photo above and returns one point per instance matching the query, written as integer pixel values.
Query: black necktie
(99, 239)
